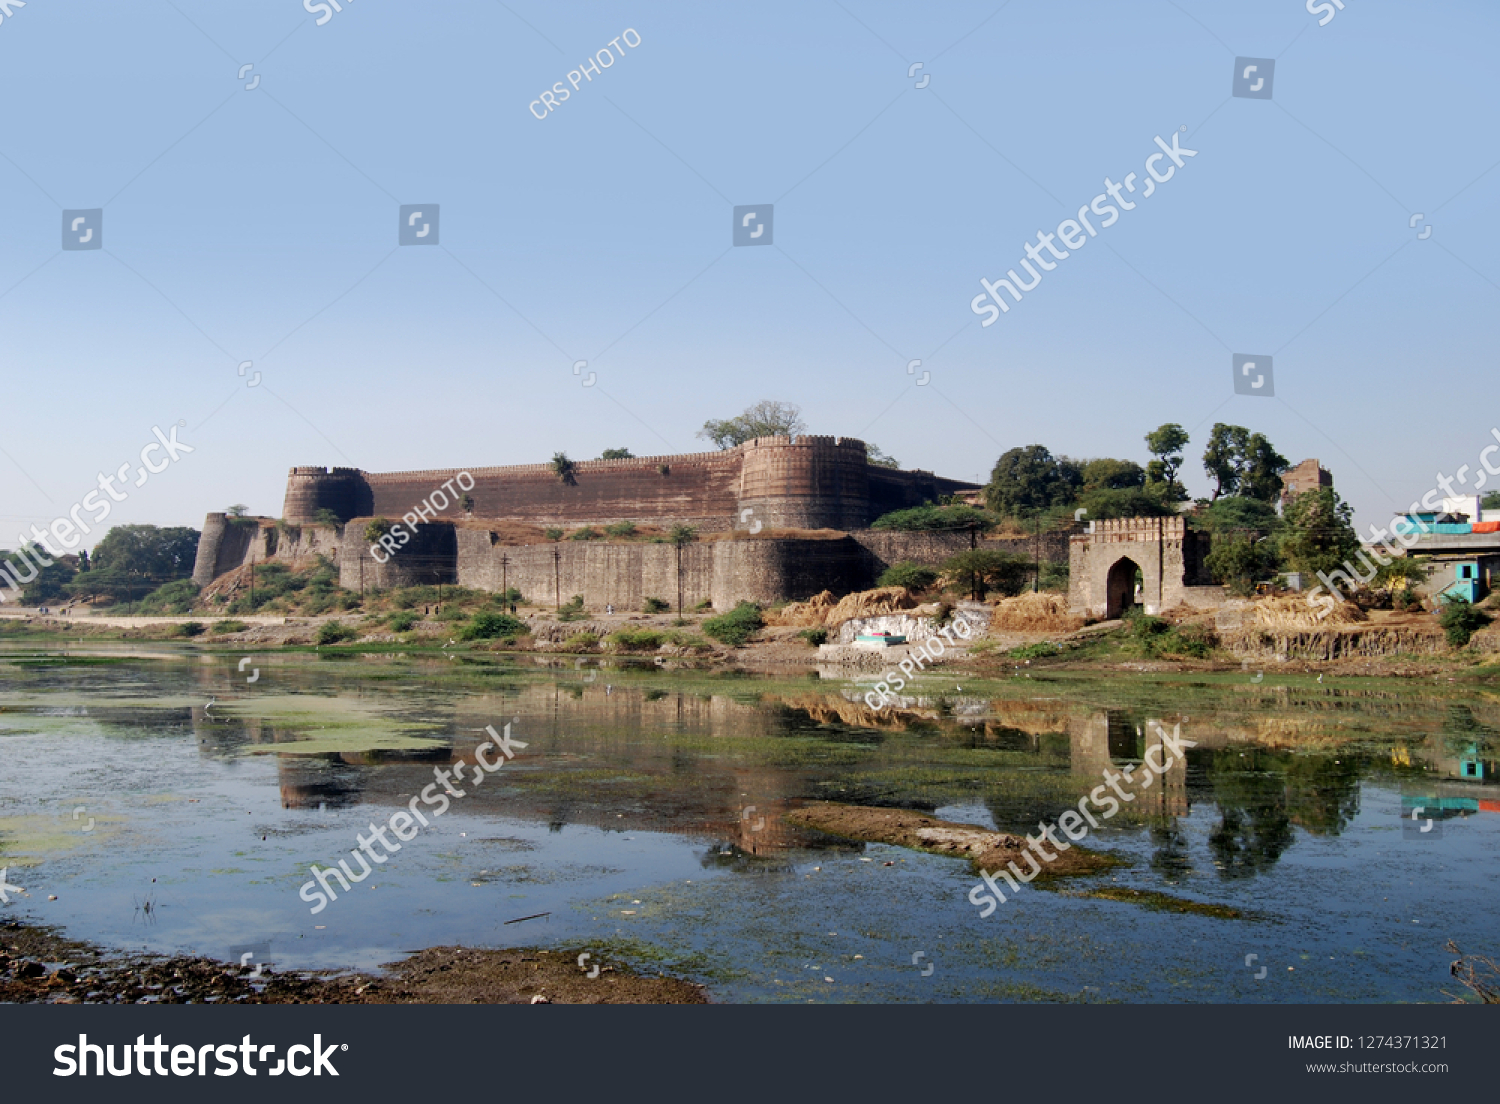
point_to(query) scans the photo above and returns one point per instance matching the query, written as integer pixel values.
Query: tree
(981, 570)
(1106, 503)
(1237, 562)
(1243, 462)
(135, 559)
(1224, 457)
(681, 536)
(48, 576)
(1166, 443)
(1261, 477)
(1027, 479)
(1319, 535)
(1490, 501)
(564, 468)
(617, 454)
(1106, 474)
(877, 456)
(930, 517)
(765, 419)
(239, 509)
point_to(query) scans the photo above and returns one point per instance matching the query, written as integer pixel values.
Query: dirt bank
(986, 850)
(39, 966)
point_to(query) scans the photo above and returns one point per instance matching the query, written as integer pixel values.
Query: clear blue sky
(262, 225)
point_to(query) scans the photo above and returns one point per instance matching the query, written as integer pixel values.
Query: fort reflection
(724, 766)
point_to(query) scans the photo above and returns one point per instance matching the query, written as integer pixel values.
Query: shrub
(230, 626)
(657, 605)
(573, 610)
(815, 637)
(402, 621)
(581, 642)
(1460, 621)
(636, 639)
(335, 632)
(704, 606)
(1040, 650)
(620, 529)
(735, 627)
(490, 626)
(377, 528)
(325, 516)
(190, 628)
(936, 517)
(587, 533)
(553, 534)
(908, 574)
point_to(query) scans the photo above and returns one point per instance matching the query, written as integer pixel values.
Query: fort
(780, 518)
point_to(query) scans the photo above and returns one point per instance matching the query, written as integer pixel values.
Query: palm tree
(681, 536)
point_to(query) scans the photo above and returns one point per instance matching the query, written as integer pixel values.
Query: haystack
(1034, 612)
(871, 603)
(810, 614)
(1300, 613)
(824, 610)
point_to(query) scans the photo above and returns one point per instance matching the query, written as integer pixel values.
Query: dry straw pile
(1034, 612)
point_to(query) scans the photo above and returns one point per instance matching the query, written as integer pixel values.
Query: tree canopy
(1245, 463)
(1029, 479)
(134, 559)
(1166, 443)
(617, 454)
(1319, 535)
(766, 418)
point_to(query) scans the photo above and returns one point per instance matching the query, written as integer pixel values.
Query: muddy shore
(40, 966)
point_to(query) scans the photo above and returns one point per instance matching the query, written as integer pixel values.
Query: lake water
(1355, 825)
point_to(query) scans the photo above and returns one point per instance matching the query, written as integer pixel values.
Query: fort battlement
(805, 482)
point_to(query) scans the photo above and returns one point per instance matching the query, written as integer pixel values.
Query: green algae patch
(305, 724)
(1159, 902)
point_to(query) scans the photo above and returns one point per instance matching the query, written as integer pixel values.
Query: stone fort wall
(806, 482)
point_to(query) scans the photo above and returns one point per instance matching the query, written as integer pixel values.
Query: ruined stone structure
(743, 500)
(1306, 476)
(1169, 557)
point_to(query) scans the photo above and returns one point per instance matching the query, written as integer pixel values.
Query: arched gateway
(1169, 557)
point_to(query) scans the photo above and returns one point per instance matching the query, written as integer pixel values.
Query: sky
(252, 215)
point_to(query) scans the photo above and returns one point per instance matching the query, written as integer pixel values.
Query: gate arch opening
(1120, 587)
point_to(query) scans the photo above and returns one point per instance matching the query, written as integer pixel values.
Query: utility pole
(1036, 564)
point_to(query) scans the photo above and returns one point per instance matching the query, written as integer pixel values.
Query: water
(644, 818)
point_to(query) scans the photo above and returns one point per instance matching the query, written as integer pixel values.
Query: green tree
(1105, 474)
(1224, 457)
(877, 456)
(51, 576)
(1238, 561)
(1460, 620)
(239, 509)
(1166, 443)
(1105, 502)
(981, 570)
(765, 419)
(617, 454)
(564, 468)
(908, 574)
(1028, 479)
(1243, 462)
(1490, 501)
(377, 528)
(132, 560)
(930, 517)
(1319, 534)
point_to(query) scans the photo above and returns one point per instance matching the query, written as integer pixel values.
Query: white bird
(1320, 678)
